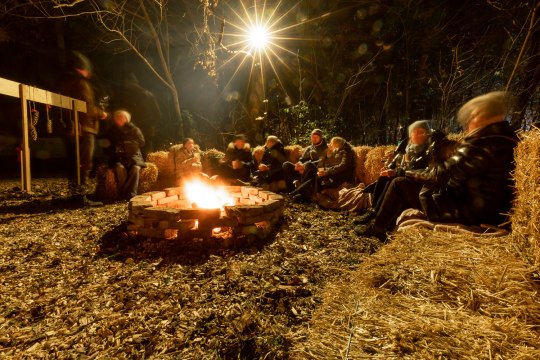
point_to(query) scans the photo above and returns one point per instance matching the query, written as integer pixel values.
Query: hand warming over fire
(263, 167)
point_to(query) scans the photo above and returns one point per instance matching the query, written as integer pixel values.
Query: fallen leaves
(75, 283)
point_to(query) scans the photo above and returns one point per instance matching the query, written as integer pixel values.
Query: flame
(206, 196)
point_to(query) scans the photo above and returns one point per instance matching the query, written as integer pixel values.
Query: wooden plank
(25, 151)
(11, 88)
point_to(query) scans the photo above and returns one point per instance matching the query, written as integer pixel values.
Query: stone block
(167, 199)
(133, 227)
(141, 198)
(137, 208)
(174, 191)
(271, 205)
(183, 225)
(247, 220)
(247, 201)
(156, 195)
(180, 204)
(227, 221)
(164, 213)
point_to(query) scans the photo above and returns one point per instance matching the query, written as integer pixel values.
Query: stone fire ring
(168, 214)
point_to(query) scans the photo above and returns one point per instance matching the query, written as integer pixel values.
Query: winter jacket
(413, 157)
(79, 87)
(243, 155)
(275, 156)
(475, 185)
(314, 152)
(183, 161)
(340, 165)
(126, 143)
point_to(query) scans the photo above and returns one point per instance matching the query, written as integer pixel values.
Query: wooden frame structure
(31, 93)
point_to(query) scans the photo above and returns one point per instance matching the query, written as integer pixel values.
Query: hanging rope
(49, 120)
(34, 116)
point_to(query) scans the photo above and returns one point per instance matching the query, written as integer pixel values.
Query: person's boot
(365, 218)
(371, 230)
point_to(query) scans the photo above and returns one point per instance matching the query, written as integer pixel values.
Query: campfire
(202, 210)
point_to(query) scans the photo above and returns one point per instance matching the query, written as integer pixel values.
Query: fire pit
(199, 210)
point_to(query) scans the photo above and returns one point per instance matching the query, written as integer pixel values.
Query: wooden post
(25, 146)
(77, 141)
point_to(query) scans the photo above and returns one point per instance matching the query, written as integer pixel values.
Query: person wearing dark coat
(341, 169)
(474, 186)
(310, 157)
(78, 85)
(334, 168)
(126, 141)
(409, 155)
(271, 167)
(238, 160)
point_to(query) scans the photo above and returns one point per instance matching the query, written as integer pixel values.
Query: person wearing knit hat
(78, 85)
(309, 159)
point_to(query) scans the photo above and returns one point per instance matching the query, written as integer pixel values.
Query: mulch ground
(75, 284)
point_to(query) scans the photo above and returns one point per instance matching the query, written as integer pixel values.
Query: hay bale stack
(164, 164)
(210, 161)
(293, 153)
(430, 295)
(360, 162)
(148, 178)
(526, 212)
(106, 185)
(375, 161)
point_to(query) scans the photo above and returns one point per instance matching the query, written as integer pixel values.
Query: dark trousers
(227, 172)
(290, 175)
(128, 179)
(402, 194)
(309, 182)
(270, 176)
(86, 156)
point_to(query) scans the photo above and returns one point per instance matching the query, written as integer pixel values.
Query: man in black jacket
(238, 160)
(474, 186)
(125, 153)
(310, 157)
(271, 167)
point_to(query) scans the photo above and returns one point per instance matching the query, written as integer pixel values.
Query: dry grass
(164, 164)
(375, 160)
(431, 295)
(210, 160)
(526, 213)
(360, 162)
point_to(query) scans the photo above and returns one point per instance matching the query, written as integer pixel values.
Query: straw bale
(148, 178)
(526, 212)
(163, 162)
(456, 136)
(360, 162)
(106, 186)
(375, 161)
(293, 153)
(430, 295)
(210, 161)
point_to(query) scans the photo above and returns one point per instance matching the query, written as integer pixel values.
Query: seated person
(126, 159)
(474, 186)
(412, 156)
(188, 160)
(312, 154)
(334, 169)
(271, 167)
(237, 162)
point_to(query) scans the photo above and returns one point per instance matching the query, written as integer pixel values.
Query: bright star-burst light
(261, 34)
(258, 37)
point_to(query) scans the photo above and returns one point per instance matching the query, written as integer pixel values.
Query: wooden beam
(25, 146)
(11, 88)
